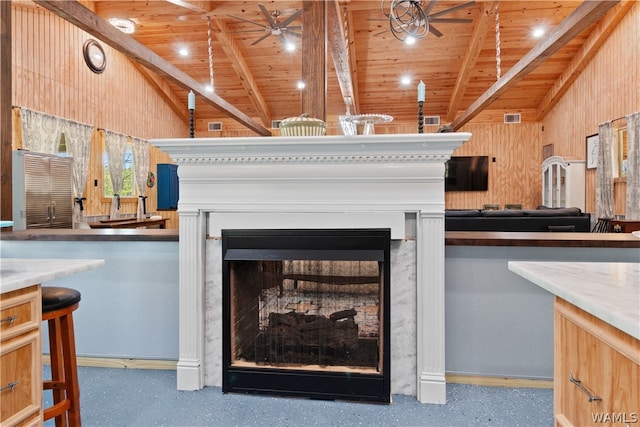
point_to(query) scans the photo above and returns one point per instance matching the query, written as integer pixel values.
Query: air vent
(214, 126)
(431, 120)
(512, 118)
(275, 124)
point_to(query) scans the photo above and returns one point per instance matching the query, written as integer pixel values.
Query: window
(62, 147)
(128, 184)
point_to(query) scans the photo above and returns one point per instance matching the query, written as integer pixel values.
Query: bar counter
(541, 239)
(93, 235)
(489, 310)
(452, 238)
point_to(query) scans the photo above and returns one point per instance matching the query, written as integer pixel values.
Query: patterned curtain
(116, 146)
(633, 172)
(78, 138)
(140, 150)
(40, 131)
(604, 175)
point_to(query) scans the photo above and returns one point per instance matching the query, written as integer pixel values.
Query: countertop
(17, 273)
(609, 291)
(452, 238)
(542, 239)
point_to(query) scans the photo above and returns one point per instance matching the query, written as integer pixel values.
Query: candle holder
(191, 123)
(420, 116)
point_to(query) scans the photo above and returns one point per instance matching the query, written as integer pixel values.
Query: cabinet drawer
(19, 312)
(604, 364)
(20, 378)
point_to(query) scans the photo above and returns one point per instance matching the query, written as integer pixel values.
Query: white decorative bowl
(302, 125)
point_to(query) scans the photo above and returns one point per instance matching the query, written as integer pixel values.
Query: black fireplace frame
(347, 244)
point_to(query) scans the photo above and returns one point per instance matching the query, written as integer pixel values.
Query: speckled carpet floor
(136, 397)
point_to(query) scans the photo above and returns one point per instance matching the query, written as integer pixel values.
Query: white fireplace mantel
(374, 181)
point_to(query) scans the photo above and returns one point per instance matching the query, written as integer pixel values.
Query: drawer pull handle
(9, 319)
(577, 382)
(10, 386)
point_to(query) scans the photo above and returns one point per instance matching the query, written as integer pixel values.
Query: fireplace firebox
(306, 313)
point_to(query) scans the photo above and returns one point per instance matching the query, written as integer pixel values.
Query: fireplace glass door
(306, 313)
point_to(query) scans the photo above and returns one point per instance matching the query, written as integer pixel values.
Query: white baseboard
(170, 365)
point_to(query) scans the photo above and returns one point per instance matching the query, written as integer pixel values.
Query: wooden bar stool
(58, 305)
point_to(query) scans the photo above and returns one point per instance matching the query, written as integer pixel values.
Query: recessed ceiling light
(183, 52)
(538, 32)
(405, 80)
(290, 47)
(209, 88)
(300, 85)
(127, 26)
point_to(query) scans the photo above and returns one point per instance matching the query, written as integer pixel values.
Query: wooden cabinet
(604, 363)
(563, 183)
(21, 357)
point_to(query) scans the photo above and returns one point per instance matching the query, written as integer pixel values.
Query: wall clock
(94, 56)
(592, 151)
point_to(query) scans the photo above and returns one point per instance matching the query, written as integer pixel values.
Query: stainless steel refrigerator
(42, 191)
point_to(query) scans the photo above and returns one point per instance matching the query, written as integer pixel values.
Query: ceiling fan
(408, 18)
(273, 28)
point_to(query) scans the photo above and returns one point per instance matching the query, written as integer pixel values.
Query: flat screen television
(467, 173)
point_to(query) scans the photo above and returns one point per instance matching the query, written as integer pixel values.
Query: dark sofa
(540, 219)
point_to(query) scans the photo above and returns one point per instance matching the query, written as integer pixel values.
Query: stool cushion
(55, 298)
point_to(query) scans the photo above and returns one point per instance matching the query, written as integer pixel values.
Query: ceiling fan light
(290, 47)
(127, 26)
(410, 40)
(538, 32)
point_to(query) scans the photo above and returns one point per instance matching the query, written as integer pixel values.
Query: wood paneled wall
(608, 88)
(49, 75)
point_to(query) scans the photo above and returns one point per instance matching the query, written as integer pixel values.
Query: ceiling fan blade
(382, 32)
(451, 9)
(247, 20)
(434, 31)
(267, 15)
(429, 8)
(260, 39)
(451, 20)
(282, 39)
(291, 18)
(247, 31)
(291, 33)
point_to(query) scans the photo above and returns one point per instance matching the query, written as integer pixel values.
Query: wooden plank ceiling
(366, 62)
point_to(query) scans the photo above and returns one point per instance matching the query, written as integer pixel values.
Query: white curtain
(604, 174)
(40, 131)
(116, 146)
(633, 171)
(140, 150)
(78, 139)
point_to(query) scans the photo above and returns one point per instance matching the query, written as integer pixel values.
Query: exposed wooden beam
(88, 21)
(242, 69)
(580, 60)
(353, 62)
(473, 52)
(581, 18)
(338, 43)
(196, 6)
(314, 59)
(6, 205)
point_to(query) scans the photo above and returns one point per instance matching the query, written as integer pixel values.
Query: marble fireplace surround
(372, 181)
